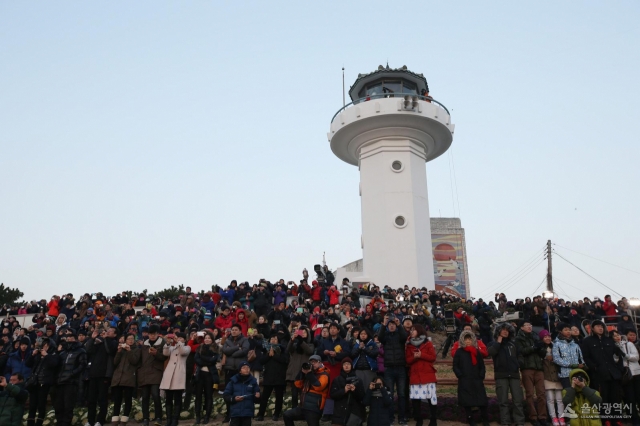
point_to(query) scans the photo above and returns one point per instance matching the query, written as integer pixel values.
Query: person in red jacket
(482, 348)
(462, 316)
(242, 321)
(316, 292)
(610, 309)
(334, 295)
(420, 356)
(224, 321)
(53, 305)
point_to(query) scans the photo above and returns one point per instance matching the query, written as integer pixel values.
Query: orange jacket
(319, 385)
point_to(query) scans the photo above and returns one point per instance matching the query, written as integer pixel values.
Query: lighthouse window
(400, 222)
(409, 88)
(396, 166)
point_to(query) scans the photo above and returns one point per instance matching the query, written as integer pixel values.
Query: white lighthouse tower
(390, 130)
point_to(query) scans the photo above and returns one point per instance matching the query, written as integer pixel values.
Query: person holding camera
(72, 363)
(313, 382)
(420, 356)
(393, 338)
(44, 366)
(123, 382)
(275, 361)
(581, 401)
(206, 374)
(332, 351)
(175, 375)
(300, 348)
(378, 399)
(365, 356)
(347, 392)
(150, 374)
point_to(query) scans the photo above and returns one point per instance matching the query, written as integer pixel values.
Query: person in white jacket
(630, 389)
(175, 375)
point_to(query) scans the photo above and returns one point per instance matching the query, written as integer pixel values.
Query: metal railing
(400, 96)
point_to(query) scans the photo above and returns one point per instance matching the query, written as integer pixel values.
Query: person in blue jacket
(17, 362)
(242, 393)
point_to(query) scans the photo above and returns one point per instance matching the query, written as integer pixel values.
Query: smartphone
(276, 322)
(300, 310)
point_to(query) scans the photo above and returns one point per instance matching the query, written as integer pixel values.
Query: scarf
(417, 341)
(473, 351)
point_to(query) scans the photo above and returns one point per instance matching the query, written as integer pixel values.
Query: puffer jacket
(246, 386)
(151, 366)
(299, 350)
(566, 355)
(393, 343)
(505, 354)
(598, 353)
(369, 352)
(101, 352)
(45, 368)
(421, 369)
(275, 367)
(575, 401)
(236, 351)
(345, 403)
(12, 402)
(72, 363)
(530, 351)
(125, 367)
(380, 405)
(207, 357)
(632, 361)
(315, 389)
(18, 363)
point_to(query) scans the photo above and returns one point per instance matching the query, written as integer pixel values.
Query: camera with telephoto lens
(306, 366)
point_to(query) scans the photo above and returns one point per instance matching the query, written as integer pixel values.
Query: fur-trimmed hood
(463, 337)
(503, 325)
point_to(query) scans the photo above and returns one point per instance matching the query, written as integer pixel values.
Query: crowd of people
(346, 354)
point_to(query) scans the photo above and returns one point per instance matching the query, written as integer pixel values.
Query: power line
(599, 260)
(520, 279)
(584, 272)
(513, 274)
(534, 291)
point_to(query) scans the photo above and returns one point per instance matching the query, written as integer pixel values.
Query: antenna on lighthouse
(324, 262)
(343, 98)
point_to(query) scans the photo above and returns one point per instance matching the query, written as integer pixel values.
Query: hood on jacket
(501, 326)
(579, 370)
(599, 322)
(238, 311)
(309, 333)
(464, 335)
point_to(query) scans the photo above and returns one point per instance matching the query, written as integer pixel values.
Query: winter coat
(246, 386)
(72, 363)
(151, 366)
(598, 353)
(101, 352)
(315, 389)
(380, 405)
(235, 351)
(471, 391)
(12, 402)
(549, 368)
(566, 355)
(206, 357)
(255, 344)
(504, 354)
(299, 351)
(275, 367)
(17, 363)
(125, 367)
(587, 398)
(242, 322)
(530, 351)
(421, 369)
(394, 346)
(331, 344)
(626, 325)
(175, 373)
(223, 322)
(369, 353)
(345, 403)
(632, 361)
(45, 368)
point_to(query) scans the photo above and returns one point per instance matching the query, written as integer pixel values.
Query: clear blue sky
(144, 144)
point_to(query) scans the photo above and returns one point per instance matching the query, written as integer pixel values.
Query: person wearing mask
(174, 377)
(378, 399)
(71, 364)
(313, 383)
(566, 354)
(44, 366)
(365, 356)
(347, 392)
(468, 366)
(420, 356)
(241, 393)
(123, 382)
(582, 401)
(300, 348)
(552, 385)
(393, 338)
(507, 374)
(17, 363)
(332, 351)
(101, 350)
(150, 374)
(630, 363)
(530, 354)
(275, 362)
(598, 350)
(235, 349)
(13, 397)
(206, 375)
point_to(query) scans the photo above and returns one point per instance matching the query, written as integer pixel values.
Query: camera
(377, 386)
(268, 346)
(306, 366)
(509, 316)
(352, 380)
(449, 321)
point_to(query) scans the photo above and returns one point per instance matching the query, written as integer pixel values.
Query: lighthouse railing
(390, 95)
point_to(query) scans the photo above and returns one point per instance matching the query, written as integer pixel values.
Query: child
(552, 385)
(468, 367)
(378, 399)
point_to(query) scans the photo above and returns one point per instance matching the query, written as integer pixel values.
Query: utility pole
(549, 274)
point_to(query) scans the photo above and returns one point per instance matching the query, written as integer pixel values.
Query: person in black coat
(469, 368)
(598, 350)
(378, 399)
(275, 362)
(206, 375)
(347, 392)
(44, 367)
